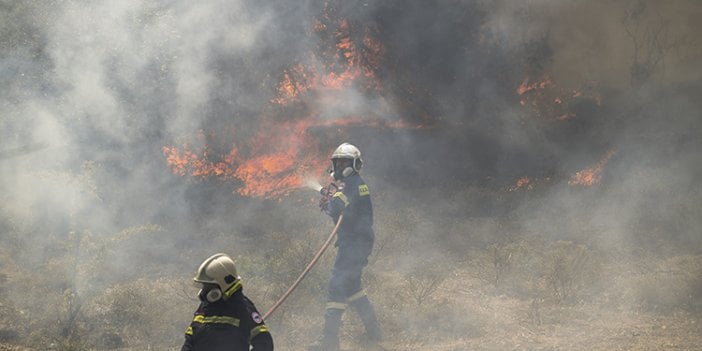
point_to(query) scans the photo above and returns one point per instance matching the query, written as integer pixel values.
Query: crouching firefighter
(354, 243)
(226, 319)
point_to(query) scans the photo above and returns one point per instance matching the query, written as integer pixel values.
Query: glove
(327, 193)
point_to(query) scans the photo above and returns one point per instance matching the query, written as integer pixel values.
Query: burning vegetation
(542, 156)
(267, 171)
(548, 101)
(347, 61)
(592, 175)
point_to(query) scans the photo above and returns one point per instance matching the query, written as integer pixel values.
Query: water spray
(313, 184)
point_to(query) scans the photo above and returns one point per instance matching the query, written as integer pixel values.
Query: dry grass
(434, 285)
(641, 311)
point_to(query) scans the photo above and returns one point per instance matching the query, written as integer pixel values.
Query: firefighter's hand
(323, 202)
(327, 193)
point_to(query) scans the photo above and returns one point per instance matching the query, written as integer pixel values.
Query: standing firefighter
(226, 319)
(354, 242)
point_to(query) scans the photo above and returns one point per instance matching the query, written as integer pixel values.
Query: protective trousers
(332, 321)
(330, 333)
(367, 315)
(345, 289)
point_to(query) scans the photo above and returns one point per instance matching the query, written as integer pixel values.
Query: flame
(566, 116)
(525, 87)
(293, 84)
(275, 175)
(190, 163)
(283, 156)
(549, 102)
(348, 63)
(521, 182)
(287, 167)
(592, 175)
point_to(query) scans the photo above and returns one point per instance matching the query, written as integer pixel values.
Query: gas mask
(341, 168)
(209, 293)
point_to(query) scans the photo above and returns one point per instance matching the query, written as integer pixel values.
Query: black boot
(330, 334)
(367, 314)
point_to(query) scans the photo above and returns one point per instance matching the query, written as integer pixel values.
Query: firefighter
(226, 319)
(354, 243)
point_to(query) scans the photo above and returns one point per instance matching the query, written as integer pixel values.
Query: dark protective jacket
(353, 199)
(228, 325)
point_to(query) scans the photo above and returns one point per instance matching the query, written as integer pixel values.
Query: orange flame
(550, 102)
(188, 162)
(275, 174)
(296, 81)
(566, 116)
(283, 156)
(347, 66)
(267, 172)
(521, 182)
(592, 175)
(525, 87)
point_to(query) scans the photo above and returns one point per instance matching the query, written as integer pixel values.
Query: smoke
(104, 86)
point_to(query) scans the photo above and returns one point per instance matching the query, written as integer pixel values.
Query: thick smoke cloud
(112, 83)
(96, 89)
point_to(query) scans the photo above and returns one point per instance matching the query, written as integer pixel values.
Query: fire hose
(307, 269)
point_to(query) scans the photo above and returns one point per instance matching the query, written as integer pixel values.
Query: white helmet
(346, 151)
(219, 270)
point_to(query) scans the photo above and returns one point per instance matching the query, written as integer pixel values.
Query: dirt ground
(518, 324)
(465, 313)
(461, 297)
(481, 318)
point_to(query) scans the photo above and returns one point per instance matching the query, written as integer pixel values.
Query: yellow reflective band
(336, 306)
(189, 331)
(258, 330)
(356, 296)
(342, 197)
(232, 289)
(216, 319)
(363, 190)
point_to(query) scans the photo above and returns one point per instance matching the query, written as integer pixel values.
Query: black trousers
(346, 275)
